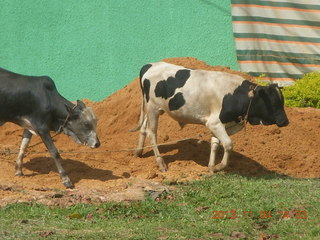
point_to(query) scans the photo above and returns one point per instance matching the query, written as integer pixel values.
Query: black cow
(35, 104)
(219, 100)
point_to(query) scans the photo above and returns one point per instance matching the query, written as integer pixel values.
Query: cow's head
(268, 107)
(81, 125)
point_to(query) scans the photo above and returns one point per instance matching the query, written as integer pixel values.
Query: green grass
(186, 213)
(305, 92)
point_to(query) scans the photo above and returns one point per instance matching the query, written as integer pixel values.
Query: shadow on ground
(199, 152)
(75, 169)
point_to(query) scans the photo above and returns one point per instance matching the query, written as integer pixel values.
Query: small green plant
(260, 81)
(305, 92)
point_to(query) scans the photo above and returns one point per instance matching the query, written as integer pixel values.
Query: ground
(112, 172)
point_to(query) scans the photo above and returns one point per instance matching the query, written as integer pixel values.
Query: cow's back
(21, 95)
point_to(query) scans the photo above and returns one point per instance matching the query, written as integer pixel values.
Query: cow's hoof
(162, 166)
(68, 184)
(164, 169)
(219, 167)
(138, 153)
(19, 173)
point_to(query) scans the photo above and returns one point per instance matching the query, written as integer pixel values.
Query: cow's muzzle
(282, 119)
(283, 123)
(93, 140)
(95, 144)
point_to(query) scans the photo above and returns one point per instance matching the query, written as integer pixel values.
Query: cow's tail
(141, 118)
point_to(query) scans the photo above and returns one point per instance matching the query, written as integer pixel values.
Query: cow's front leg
(46, 138)
(214, 147)
(219, 132)
(152, 125)
(26, 137)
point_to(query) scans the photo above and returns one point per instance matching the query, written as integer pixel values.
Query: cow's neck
(235, 105)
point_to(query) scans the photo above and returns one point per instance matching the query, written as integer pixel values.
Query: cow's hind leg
(26, 137)
(152, 126)
(46, 138)
(142, 137)
(220, 133)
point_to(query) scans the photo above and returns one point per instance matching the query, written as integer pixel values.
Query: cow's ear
(81, 105)
(275, 85)
(69, 109)
(72, 111)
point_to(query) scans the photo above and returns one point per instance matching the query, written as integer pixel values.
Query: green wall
(91, 48)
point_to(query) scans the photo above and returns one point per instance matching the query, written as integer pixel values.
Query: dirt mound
(112, 168)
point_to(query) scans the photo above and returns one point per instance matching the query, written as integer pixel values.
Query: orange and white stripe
(288, 27)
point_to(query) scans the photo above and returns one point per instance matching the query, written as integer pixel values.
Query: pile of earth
(112, 172)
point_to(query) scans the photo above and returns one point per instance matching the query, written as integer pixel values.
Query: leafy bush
(305, 92)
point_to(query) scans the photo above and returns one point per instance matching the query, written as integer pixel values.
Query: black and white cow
(35, 104)
(219, 100)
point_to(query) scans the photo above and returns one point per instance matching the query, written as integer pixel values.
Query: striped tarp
(277, 38)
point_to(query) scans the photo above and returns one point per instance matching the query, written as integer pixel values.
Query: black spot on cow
(167, 88)
(176, 102)
(161, 89)
(236, 104)
(146, 88)
(143, 70)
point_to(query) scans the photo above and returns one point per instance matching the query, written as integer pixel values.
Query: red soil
(109, 172)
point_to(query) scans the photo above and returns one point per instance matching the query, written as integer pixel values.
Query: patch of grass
(273, 206)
